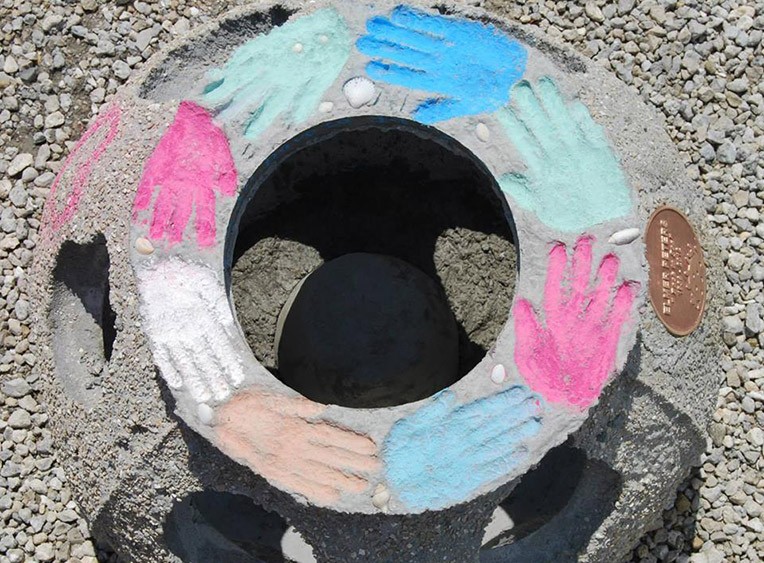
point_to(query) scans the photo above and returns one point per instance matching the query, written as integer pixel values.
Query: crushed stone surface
(698, 63)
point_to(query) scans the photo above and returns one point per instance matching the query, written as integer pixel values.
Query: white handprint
(197, 356)
(283, 438)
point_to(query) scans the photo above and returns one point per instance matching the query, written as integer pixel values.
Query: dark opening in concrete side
(551, 515)
(381, 186)
(81, 318)
(208, 526)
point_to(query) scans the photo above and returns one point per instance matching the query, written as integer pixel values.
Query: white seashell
(498, 374)
(482, 132)
(325, 107)
(381, 497)
(625, 236)
(144, 246)
(297, 48)
(359, 91)
(205, 413)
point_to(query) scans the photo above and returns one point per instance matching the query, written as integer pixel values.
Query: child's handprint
(191, 164)
(571, 358)
(283, 73)
(285, 440)
(191, 355)
(572, 179)
(446, 451)
(468, 65)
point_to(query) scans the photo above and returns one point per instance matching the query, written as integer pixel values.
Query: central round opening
(371, 262)
(367, 330)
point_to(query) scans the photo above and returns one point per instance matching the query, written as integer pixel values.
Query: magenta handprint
(80, 165)
(191, 164)
(570, 359)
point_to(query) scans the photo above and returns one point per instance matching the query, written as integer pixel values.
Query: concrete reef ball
(563, 439)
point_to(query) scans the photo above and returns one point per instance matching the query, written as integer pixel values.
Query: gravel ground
(699, 63)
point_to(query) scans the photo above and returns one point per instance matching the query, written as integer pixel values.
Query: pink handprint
(570, 360)
(54, 218)
(191, 163)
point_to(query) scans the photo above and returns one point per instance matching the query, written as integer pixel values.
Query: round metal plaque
(677, 271)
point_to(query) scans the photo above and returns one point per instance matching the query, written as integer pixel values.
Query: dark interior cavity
(553, 511)
(81, 318)
(366, 330)
(210, 526)
(380, 186)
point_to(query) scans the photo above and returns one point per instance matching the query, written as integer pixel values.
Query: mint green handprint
(573, 179)
(282, 73)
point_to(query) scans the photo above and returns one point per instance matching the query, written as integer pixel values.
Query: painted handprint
(283, 73)
(444, 452)
(105, 128)
(191, 165)
(470, 67)
(191, 355)
(570, 359)
(573, 179)
(284, 440)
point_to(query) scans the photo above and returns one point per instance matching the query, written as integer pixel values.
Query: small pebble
(16, 388)
(20, 419)
(10, 66)
(20, 163)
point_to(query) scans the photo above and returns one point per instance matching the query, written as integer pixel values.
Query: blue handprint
(282, 73)
(470, 66)
(444, 452)
(573, 179)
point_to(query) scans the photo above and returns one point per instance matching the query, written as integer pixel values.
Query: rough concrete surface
(680, 59)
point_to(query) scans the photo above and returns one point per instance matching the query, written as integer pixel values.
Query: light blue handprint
(470, 66)
(282, 73)
(445, 452)
(573, 179)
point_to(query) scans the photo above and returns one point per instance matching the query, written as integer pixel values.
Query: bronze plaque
(677, 271)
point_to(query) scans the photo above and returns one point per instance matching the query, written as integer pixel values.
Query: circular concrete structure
(257, 149)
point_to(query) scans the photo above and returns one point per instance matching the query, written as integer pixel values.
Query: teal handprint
(573, 179)
(282, 73)
(444, 452)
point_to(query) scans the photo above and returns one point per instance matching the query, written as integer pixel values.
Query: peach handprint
(285, 440)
